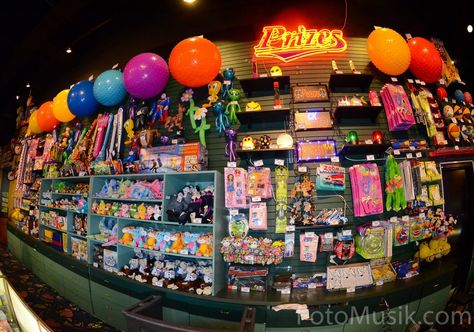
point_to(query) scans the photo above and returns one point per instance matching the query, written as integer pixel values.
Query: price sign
(446, 99)
(453, 101)
(286, 291)
(351, 289)
(256, 199)
(279, 162)
(245, 289)
(394, 79)
(258, 163)
(456, 147)
(369, 141)
(376, 223)
(379, 283)
(396, 152)
(405, 218)
(174, 141)
(393, 219)
(408, 36)
(441, 81)
(197, 221)
(334, 159)
(231, 164)
(417, 81)
(409, 155)
(418, 155)
(412, 148)
(422, 83)
(311, 285)
(233, 212)
(454, 120)
(370, 157)
(290, 228)
(302, 169)
(410, 80)
(346, 232)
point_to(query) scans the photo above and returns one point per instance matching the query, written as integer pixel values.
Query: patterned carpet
(57, 312)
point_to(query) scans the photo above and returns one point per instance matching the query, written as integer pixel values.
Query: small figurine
(275, 71)
(231, 146)
(233, 106)
(214, 88)
(222, 121)
(140, 117)
(128, 126)
(159, 110)
(264, 142)
(175, 121)
(248, 143)
(229, 75)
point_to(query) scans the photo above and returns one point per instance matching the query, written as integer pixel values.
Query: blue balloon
(109, 89)
(81, 99)
(459, 96)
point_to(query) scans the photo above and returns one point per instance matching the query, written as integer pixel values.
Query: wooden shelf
(350, 82)
(363, 149)
(263, 86)
(251, 118)
(357, 112)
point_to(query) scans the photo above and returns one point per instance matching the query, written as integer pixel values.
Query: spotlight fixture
(28, 85)
(68, 50)
(189, 1)
(469, 28)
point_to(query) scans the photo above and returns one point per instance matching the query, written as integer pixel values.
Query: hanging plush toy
(200, 115)
(231, 146)
(214, 88)
(233, 106)
(229, 75)
(175, 121)
(141, 115)
(394, 186)
(222, 121)
(159, 110)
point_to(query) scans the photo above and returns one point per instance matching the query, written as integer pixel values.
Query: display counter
(105, 294)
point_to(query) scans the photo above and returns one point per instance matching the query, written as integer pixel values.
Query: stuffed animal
(127, 237)
(141, 212)
(141, 236)
(151, 240)
(205, 245)
(178, 243)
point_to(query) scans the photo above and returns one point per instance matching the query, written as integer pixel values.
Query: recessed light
(189, 1)
(68, 50)
(28, 85)
(469, 28)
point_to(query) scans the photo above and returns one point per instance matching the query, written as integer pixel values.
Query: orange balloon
(195, 62)
(388, 51)
(45, 117)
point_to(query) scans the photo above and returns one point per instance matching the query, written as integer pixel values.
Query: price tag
(168, 197)
(446, 99)
(309, 233)
(456, 147)
(263, 75)
(197, 221)
(184, 252)
(312, 285)
(379, 283)
(441, 81)
(245, 289)
(369, 141)
(418, 154)
(408, 35)
(233, 212)
(328, 235)
(351, 289)
(394, 79)
(409, 155)
(174, 141)
(405, 218)
(410, 80)
(422, 83)
(227, 82)
(396, 152)
(393, 219)
(290, 228)
(412, 148)
(334, 159)
(95, 264)
(453, 101)
(421, 215)
(159, 283)
(370, 157)
(286, 291)
(258, 163)
(279, 162)
(356, 72)
(339, 72)
(464, 103)
(256, 199)
(376, 223)
(91, 77)
(231, 164)
(417, 81)
(454, 120)
(347, 232)
(461, 120)
(302, 169)
(234, 287)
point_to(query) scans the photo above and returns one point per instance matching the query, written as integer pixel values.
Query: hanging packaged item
(401, 231)
(330, 178)
(366, 190)
(394, 186)
(259, 182)
(281, 197)
(303, 209)
(397, 107)
(407, 177)
(258, 216)
(235, 180)
(371, 241)
(308, 247)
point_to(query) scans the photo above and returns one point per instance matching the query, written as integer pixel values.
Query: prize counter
(107, 294)
(312, 164)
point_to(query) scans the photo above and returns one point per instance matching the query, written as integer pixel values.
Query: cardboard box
(189, 157)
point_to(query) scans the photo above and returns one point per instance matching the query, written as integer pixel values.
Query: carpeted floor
(57, 312)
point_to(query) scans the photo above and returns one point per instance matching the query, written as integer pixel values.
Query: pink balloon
(145, 75)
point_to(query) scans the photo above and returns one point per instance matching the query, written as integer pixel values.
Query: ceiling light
(469, 28)
(452, 62)
(68, 50)
(17, 97)
(28, 85)
(189, 1)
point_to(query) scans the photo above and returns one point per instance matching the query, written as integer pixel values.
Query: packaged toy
(308, 247)
(394, 186)
(302, 211)
(397, 107)
(281, 197)
(371, 241)
(258, 216)
(235, 180)
(366, 190)
(190, 157)
(259, 183)
(330, 178)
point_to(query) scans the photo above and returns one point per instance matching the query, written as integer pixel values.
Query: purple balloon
(145, 75)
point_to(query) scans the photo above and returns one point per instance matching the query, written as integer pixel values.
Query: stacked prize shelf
(172, 183)
(66, 230)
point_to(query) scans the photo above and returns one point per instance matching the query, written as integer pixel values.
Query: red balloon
(195, 62)
(441, 93)
(425, 63)
(467, 97)
(45, 117)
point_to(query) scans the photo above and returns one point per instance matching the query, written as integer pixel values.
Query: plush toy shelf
(260, 120)
(263, 86)
(54, 228)
(165, 253)
(370, 113)
(128, 200)
(66, 194)
(350, 82)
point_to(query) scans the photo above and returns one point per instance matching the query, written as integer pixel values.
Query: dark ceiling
(35, 34)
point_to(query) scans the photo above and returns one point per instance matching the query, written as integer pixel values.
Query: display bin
(147, 316)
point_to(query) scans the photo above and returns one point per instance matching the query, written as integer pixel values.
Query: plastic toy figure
(233, 106)
(222, 121)
(231, 146)
(214, 88)
(229, 75)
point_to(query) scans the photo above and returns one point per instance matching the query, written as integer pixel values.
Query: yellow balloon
(60, 109)
(33, 124)
(388, 51)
